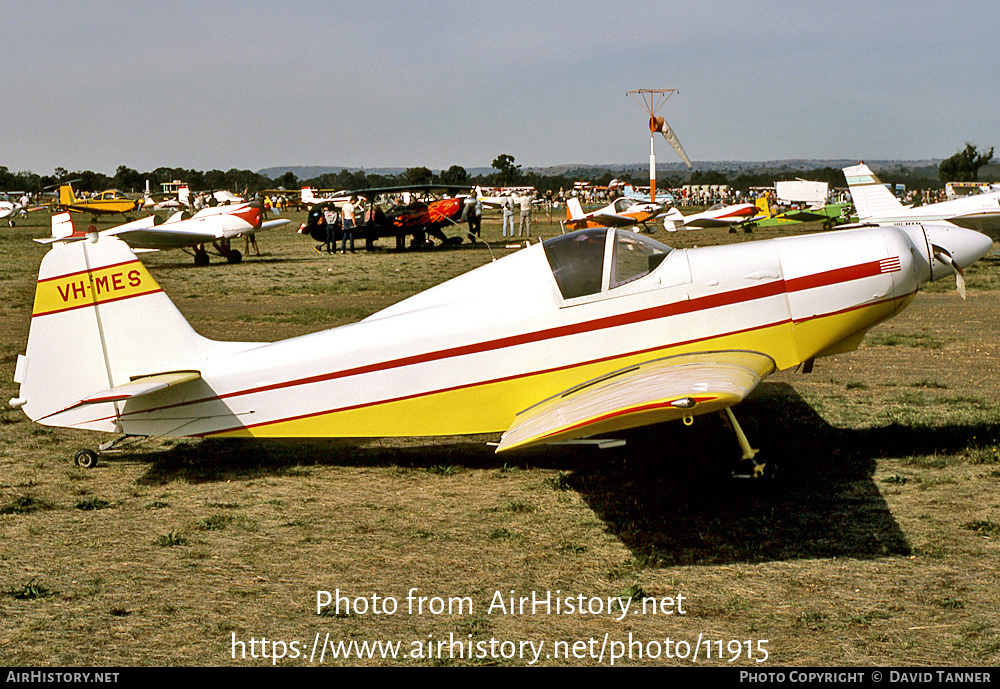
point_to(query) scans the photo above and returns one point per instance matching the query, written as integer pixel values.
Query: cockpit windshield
(577, 259)
(635, 256)
(623, 204)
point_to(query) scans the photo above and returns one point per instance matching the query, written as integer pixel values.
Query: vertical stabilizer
(66, 195)
(871, 198)
(100, 320)
(763, 208)
(62, 226)
(673, 220)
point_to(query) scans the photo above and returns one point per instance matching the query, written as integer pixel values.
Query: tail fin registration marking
(87, 288)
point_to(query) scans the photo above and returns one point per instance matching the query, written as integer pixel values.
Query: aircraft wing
(167, 237)
(651, 392)
(987, 222)
(804, 216)
(706, 223)
(604, 220)
(163, 237)
(266, 225)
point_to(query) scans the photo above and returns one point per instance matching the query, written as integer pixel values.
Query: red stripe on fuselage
(836, 276)
(770, 289)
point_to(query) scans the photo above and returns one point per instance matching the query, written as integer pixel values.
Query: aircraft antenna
(652, 100)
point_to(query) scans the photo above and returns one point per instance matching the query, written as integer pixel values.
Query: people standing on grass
(508, 213)
(525, 201)
(348, 212)
(330, 216)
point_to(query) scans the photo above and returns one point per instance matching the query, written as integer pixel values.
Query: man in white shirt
(348, 212)
(525, 201)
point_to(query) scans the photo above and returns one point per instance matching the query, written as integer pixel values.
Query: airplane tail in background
(66, 195)
(123, 329)
(871, 198)
(673, 220)
(63, 227)
(763, 208)
(574, 211)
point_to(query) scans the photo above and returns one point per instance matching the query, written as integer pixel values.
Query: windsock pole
(652, 162)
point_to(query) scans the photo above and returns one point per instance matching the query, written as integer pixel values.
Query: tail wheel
(86, 459)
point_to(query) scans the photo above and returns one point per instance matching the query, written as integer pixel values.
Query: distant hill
(304, 172)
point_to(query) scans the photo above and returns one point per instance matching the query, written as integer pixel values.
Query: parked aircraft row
(629, 212)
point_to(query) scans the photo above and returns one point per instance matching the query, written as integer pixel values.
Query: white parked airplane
(215, 226)
(181, 201)
(631, 192)
(622, 212)
(309, 197)
(8, 209)
(585, 333)
(875, 203)
(719, 215)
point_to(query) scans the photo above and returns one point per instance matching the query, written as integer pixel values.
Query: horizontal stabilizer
(655, 391)
(143, 385)
(270, 224)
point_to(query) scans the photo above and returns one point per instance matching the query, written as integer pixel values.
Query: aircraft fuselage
(466, 356)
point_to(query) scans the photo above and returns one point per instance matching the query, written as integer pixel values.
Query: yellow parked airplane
(106, 203)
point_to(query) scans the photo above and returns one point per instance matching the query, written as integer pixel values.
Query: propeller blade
(945, 258)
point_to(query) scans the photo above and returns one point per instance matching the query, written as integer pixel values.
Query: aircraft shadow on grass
(668, 494)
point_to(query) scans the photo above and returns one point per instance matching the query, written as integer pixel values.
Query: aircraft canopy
(596, 259)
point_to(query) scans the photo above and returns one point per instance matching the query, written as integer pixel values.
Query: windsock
(658, 124)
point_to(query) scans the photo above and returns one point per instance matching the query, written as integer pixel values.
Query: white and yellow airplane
(585, 333)
(875, 203)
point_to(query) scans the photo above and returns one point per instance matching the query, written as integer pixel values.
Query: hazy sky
(98, 84)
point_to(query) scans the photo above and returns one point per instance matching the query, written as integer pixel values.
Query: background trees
(968, 164)
(964, 165)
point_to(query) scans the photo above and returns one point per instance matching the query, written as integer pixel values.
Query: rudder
(871, 198)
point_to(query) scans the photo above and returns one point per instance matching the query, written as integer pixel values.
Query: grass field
(877, 546)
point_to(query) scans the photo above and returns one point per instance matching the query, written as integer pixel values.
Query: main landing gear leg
(748, 466)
